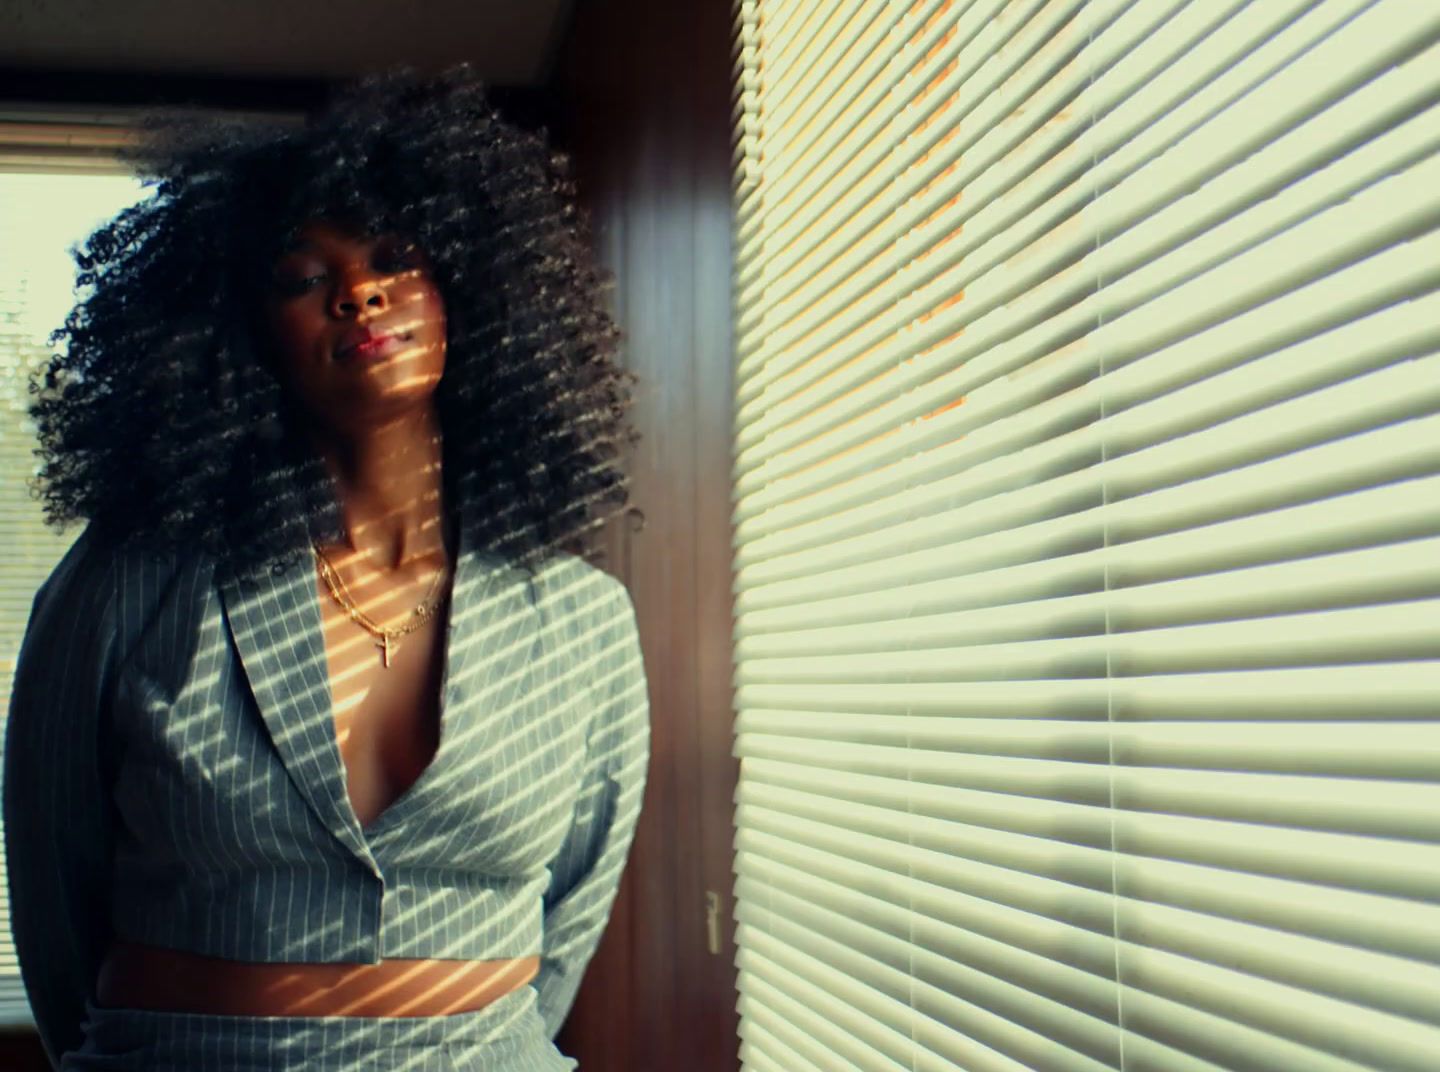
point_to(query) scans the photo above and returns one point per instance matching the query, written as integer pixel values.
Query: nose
(356, 291)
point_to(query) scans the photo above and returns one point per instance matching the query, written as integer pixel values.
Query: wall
(642, 102)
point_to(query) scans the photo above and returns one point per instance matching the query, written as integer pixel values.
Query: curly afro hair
(161, 425)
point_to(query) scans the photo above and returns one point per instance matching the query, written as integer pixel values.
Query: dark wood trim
(128, 90)
(642, 90)
(20, 1050)
(123, 93)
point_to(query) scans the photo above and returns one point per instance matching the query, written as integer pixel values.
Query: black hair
(160, 424)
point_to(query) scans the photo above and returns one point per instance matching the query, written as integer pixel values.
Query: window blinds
(1087, 535)
(42, 211)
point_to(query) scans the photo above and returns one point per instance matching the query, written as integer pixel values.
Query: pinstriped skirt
(506, 1035)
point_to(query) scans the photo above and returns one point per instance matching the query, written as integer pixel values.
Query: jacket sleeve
(585, 874)
(57, 816)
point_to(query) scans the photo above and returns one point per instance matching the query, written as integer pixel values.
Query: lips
(358, 341)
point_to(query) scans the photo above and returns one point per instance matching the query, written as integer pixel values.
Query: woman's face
(354, 326)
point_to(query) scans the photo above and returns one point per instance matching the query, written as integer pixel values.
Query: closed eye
(386, 257)
(296, 287)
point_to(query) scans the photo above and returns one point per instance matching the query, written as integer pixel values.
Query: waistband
(506, 1028)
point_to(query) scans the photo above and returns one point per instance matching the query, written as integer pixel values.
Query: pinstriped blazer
(172, 776)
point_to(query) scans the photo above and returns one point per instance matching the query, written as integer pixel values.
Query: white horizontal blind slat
(1083, 997)
(1403, 269)
(1259, 215)
(832, 960)
(1087, 534)
(843, 1027)
(1250, 92)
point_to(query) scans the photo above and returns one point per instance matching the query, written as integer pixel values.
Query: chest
(258, 730)
(386, 712)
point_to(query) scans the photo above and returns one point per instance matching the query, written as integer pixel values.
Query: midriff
(135, 976)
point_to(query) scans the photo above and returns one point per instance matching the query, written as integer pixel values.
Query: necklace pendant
(385, 645)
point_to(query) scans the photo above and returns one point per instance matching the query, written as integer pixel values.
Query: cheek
(422, 297)
(298, 330)
(287, 341)
(431, 310)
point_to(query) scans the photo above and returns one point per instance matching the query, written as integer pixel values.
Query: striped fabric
(172, 777)
(507, 1035)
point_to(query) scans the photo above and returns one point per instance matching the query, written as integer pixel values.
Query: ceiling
(510, 42)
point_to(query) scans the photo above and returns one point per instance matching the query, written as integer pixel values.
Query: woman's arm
(585, 874)
(57, 814)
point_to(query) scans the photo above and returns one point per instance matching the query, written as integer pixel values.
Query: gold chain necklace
(420, 615)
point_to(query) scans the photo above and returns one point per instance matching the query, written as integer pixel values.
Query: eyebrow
(301, 245)
(298, 245)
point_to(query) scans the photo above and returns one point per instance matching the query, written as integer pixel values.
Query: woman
(327, 743)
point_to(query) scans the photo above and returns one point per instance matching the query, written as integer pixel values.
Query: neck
(390, 488)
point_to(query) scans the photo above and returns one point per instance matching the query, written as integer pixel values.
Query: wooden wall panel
(641, 100)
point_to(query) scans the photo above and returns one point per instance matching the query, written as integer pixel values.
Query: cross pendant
(384, 644)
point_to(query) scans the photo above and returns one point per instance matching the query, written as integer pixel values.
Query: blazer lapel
(275, 623)
(276, 626)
